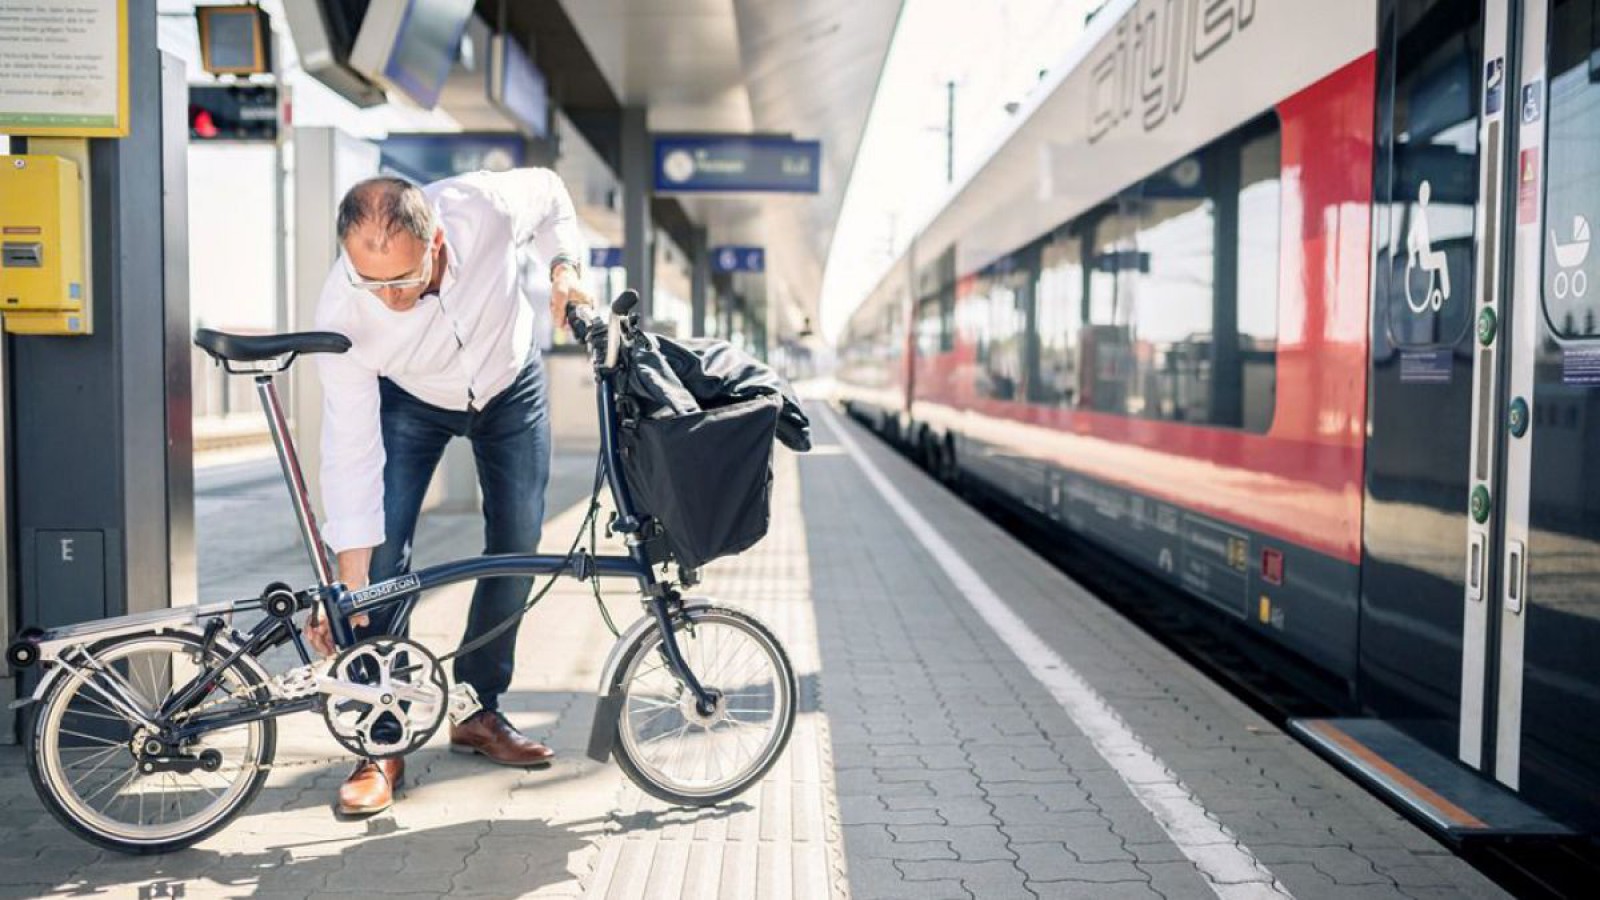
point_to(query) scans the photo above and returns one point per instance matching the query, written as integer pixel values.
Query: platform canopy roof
(807, 69)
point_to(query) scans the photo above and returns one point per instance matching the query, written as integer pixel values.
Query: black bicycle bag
(705, 476)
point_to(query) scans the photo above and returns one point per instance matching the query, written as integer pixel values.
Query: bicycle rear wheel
(667, 747)
(83, 748)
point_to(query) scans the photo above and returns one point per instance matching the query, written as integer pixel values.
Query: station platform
(972, 725)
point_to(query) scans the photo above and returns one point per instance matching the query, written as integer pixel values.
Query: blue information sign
(605, 257)
(426, 158)
(737, 162)
(738, 259)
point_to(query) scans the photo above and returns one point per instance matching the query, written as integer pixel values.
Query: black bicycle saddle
(258, 347)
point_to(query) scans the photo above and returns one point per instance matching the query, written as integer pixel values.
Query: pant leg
(511, 442)
(414, 438)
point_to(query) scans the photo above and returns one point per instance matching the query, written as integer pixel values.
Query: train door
(1446, 591)
(1432, 242)
(1545, 669)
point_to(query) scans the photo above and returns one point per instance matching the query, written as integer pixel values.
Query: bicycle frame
(340, 605)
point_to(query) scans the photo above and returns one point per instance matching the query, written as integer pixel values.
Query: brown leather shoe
(370, 788)
(490, 734)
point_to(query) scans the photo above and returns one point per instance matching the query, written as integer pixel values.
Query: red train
(1287, 301)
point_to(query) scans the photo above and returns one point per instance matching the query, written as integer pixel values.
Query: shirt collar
(451, 259)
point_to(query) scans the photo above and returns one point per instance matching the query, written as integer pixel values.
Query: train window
(1109, 285)
(894, 330)
(936, 286)
(947, 317)
(866, 356)
(1572, 185)
(931, 337)
(1429, 191)
(1174, 314)
(1173, 295)
(1059, 319)
(1256, 281)
(999, 311)
(1105, 350)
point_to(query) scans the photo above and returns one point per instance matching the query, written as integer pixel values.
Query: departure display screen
(426, 47)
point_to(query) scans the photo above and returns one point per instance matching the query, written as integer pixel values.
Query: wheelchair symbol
(1421, 255)
(1570, 280)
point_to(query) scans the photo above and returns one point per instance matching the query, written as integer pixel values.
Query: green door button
(1487, 325)
(1480, 504)
(1517, 417)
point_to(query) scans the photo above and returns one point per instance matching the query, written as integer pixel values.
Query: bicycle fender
(51, 676)
(608, 704)
(603, 730)
(54, 671)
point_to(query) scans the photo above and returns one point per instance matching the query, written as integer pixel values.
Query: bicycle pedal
(463, 703)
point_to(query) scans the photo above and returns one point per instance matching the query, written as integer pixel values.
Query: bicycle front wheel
(84, 748)
(671, 750)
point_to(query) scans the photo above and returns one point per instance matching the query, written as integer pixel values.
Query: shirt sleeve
(352, 453)
(542, 212)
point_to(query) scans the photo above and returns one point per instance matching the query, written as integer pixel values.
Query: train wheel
(928, 452)
(949, 470)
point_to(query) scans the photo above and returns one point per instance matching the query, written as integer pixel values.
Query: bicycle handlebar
(583, 320)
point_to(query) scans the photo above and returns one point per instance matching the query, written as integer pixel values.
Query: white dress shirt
(455, 350)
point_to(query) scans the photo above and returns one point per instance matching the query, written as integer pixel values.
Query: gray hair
(393, 204)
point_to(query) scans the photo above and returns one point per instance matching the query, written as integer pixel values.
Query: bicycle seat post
(267, 389)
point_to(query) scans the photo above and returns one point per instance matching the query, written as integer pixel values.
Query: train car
(1288, 303)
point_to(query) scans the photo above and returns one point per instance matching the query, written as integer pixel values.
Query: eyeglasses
(400, 284)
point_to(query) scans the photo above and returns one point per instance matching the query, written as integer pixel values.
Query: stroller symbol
(1569, 279)
(1421, 255)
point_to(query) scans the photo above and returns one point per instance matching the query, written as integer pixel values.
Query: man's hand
(565, 288)
(320, 632)
(353, 568)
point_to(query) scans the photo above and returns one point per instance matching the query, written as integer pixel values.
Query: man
(442, 346)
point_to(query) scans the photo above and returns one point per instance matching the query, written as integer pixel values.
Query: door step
(1445, 796)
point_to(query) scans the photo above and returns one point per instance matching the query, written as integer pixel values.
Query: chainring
(410, 709)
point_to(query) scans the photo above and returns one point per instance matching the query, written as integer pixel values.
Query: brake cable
(587, 523)
(594, 544)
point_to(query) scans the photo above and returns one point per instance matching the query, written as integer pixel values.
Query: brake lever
(579, 322)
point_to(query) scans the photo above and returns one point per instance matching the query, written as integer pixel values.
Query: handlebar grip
(625, 302)
(581, 319)
(614, 338)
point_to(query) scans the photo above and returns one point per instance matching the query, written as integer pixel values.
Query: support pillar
(100, 426)
(700, 282)
(638, 168)
(327, 163)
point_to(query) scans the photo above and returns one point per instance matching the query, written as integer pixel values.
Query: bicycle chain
(244, 693)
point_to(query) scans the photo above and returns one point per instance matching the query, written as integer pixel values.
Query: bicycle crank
(384, 697)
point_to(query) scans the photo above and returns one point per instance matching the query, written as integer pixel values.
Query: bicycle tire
(651, 778)
(46, 774)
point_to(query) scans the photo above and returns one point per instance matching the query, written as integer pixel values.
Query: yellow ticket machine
(42, 285)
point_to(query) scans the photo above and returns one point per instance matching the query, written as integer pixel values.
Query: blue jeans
(511, 443)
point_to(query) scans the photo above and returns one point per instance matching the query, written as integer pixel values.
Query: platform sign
(433, 156)
(738, 163)
(738, 259)
(605, 257)
(63, 69)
